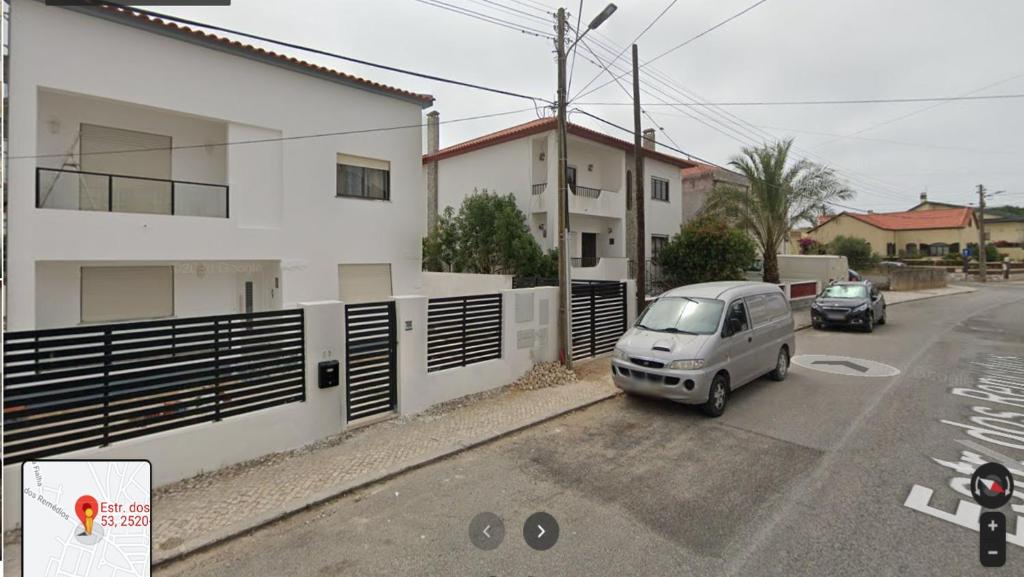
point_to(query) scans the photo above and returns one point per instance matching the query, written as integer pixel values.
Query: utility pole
(564, 276)
(982, 264)
(638, 189)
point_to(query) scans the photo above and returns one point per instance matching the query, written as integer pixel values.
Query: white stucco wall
(420, 389)
(452, 284)
(283, 204)
(662, 218)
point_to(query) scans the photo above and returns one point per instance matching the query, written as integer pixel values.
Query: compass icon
(992, 485)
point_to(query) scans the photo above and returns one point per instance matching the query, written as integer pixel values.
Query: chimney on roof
(433, 145)
(924, 197)
(649, 141)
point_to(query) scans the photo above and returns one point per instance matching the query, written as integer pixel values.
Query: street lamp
(595, 23)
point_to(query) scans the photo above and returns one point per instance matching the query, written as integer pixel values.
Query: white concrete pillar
(411, 319)
(325, 341)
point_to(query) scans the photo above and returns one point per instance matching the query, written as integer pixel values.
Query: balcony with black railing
(96, 191)
(584, 261)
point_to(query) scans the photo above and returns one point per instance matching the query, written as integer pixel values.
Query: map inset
(86, 518)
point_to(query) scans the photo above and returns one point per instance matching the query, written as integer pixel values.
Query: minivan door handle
(750, 339)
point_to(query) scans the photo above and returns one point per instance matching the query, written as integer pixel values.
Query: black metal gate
(598, 316)
(370, 351)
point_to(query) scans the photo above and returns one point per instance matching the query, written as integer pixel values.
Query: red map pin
(86, 502)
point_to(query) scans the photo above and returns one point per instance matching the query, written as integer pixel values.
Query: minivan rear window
(682, 315)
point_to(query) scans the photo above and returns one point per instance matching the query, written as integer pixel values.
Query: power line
(737, 125)
(638, 36)
(525, 29)
(512, 10)
(819, 102)
(266, 140)
(321, 52)
(678, 46)
(922, 110)
(743, 127)
(572, 67)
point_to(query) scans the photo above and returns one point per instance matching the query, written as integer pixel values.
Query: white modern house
(160, 171)
(522, 160)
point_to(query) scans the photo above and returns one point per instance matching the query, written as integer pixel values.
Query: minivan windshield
(682, 315)
(845, 291)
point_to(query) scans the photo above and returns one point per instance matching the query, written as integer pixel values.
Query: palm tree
(778, 198)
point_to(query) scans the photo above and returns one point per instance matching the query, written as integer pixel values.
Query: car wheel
(817, 325)
(881, 320)
(781, 366)
(718, 396)
(869, 325)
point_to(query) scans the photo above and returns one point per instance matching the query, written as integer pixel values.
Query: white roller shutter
(119, 293)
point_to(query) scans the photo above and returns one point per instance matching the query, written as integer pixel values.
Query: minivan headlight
(687, 364)
(620, 354)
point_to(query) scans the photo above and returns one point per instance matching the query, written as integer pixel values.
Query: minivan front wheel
(718, 396)
(781, 366)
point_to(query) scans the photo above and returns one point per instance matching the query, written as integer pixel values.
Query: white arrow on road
(541, 534)
(485, 531)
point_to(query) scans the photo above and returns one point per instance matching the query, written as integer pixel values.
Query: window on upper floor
(360, 177)
(659, 189)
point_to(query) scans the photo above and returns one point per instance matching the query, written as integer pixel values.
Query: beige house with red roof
(930, 233)
(521, 160)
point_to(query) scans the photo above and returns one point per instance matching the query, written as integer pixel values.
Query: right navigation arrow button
(540, 531)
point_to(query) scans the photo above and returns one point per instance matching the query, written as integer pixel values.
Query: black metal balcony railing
(586, 191)
(97, 191)
(539, 188)
(584, 261)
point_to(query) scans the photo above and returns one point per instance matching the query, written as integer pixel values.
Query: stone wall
(910, 278)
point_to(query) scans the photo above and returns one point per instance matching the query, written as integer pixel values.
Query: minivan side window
(739, 312)
(778, 305)
(760, 314)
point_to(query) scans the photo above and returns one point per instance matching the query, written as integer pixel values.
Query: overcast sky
(780, 50)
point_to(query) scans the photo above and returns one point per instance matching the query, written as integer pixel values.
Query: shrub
(856, 250)
(705, 250)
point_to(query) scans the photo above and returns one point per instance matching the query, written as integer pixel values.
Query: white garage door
(120, 293)
(360, 283)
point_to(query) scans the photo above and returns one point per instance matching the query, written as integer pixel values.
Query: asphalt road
(810, 476)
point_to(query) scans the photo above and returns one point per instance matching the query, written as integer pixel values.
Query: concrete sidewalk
(199, 512)
(802, 317)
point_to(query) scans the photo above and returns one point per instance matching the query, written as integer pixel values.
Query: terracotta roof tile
(543, 125)
(128, 14)
(913, 220)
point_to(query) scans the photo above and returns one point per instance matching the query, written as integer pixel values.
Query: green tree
(488, 235)
(779, 197)
(705, 250)
(856, 250)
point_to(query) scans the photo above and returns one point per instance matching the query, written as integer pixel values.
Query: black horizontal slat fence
(80, 387)
(463, 330)
(598, 316)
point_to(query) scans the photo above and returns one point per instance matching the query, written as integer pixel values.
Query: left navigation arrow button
(486, 531)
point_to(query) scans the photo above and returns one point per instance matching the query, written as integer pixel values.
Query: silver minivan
(697, 343)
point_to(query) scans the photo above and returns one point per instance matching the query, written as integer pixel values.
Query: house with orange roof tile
(522, 160)
(161, 171)
(935, 232)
